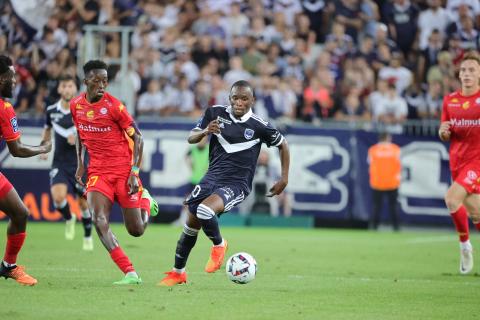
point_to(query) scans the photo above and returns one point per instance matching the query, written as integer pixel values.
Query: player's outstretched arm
(46, 136)
(280, 185)
(20, 150)
(196, 135)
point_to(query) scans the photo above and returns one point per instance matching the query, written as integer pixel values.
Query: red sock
(14, 244)
(477, 225)
(145, 205)
(121, 260)
(460, 219)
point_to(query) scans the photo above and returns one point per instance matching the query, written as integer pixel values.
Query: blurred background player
(461, 126)
(197, 160)
(385, 177)
(10, 202)
(104, 129)
(236, 138)
(64, 165)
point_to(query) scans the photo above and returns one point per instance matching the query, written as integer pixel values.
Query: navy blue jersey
(234, 152)
(61, 121)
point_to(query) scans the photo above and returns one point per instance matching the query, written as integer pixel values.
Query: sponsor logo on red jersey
(90, 128)
(466, 105)
(465, 122)
(90, 114)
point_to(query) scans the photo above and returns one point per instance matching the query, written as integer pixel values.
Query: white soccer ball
(241, 268)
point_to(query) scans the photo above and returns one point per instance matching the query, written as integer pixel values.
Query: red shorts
(5, 186)
(115, 188)
(468, 177)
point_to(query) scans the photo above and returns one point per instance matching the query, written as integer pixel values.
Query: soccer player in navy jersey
(62, 175)
(236, 136)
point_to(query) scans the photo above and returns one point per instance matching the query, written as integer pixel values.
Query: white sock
(179, 270)
(466, 245)
(131, 274)
(9, 265)
(222, 244)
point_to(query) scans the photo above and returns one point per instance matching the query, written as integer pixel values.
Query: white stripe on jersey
(62, 131)
(236, 147)
(256, 117)
(279, 143)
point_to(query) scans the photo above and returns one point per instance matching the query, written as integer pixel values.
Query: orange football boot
(18, 274)
(216, 257)
(173, 278)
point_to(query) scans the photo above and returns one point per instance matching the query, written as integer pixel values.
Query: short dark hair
(93, 65)
(67, 77)
(5, 63)
(384, 136)
(245, 84)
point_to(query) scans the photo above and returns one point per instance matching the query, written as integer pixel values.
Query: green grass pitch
(302, 274)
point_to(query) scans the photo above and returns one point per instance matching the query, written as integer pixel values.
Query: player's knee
(21, 216)
(452, 203)
(100, 221)
(136, 231)
(205, 212)
(59, 201)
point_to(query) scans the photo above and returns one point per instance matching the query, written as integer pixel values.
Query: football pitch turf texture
(302, 274)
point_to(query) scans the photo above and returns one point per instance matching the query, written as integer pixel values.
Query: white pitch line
(420, 240)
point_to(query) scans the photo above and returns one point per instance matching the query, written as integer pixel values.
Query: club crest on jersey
(103, 110)
(248, 134)
(472, 175)
(466, 105)
(477, 101)
(90, 114)
(14, 124)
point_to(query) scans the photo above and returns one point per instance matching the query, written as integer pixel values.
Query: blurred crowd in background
(309, 60)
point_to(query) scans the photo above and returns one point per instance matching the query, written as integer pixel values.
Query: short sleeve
(205, 120)
(271, 136)
(48, 120)
(121, 116)
(9, 123)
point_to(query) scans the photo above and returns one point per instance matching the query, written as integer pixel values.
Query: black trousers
(378, 196)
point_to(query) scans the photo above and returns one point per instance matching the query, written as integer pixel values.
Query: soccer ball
(241, 268)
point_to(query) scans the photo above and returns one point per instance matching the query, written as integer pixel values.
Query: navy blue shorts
(66, 175)
(230, 194)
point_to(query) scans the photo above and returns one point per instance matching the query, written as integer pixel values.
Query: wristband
(135, 171)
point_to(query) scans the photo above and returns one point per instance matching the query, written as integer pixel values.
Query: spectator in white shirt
(435, 17)
(236, 71)
(152, 101)
(391, 109)
(403, 77)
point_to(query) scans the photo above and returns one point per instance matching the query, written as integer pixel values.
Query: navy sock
(184, 246)
(212, 230)
(87, 227)
(64, 210)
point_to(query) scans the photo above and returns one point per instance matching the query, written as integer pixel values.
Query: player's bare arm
(444, 131)
(280, 185)
(20, 150)
(80, 157)
(46, 136)
(196, 135)
(136, 136)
